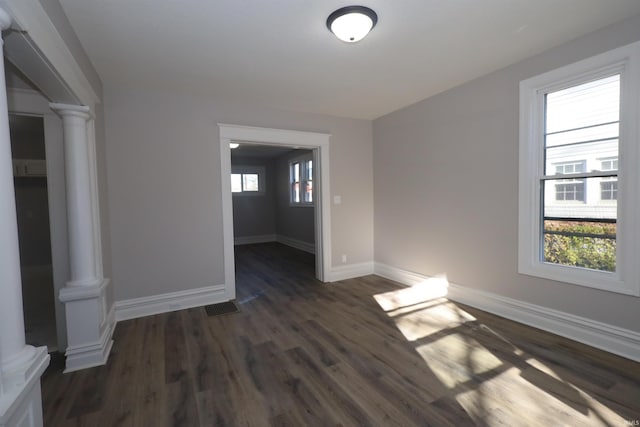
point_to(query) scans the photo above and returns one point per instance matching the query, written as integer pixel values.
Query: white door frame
(319, 143)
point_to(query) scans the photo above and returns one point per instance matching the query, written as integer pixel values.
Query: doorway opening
(317, 144)
(34, 229)
(273, 199)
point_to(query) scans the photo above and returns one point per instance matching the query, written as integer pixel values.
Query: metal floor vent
(221, 308)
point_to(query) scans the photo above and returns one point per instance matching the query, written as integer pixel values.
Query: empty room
(303, 213)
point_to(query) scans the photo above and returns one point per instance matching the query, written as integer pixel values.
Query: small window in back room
(247, 180)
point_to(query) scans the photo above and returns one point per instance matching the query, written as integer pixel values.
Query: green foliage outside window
(580, 244)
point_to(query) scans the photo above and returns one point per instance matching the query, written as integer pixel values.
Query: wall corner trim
(351, 271)
(616, 340)
(172, 301)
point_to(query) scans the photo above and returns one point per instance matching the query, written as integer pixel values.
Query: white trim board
(266, 238)
(172, 301)
(351, 271)
(89, 355)
(297, 244)
(250, 240)
(616, 340)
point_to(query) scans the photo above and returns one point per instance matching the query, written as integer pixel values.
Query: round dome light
(352, 23)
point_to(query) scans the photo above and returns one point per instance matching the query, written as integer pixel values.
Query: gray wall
(164, 186)
(294, 222)
(446, 187)
(255, 215)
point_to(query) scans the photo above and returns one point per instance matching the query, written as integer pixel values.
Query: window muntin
(593, 137)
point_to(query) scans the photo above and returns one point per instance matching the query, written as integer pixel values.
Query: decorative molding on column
(90, 339)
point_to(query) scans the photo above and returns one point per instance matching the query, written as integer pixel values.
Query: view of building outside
(580, 187)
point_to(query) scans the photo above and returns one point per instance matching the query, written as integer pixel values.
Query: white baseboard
(164, 303)
(620, 341)
(285, 240)
(249, 240)
(92, 354)
(298, 244)
(350, 271)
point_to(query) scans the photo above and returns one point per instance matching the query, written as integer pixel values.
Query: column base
(89, 325)
(21, 402)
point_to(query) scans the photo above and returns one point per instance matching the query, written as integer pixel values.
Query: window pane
(295, 192)
(236, 183)
(589, 104)
(250, 182)
(579, 198)
(296, 172)
(579, 223)
(582, 123)
(308, 194)
(586, 244)
(309, 170)
(589, 154)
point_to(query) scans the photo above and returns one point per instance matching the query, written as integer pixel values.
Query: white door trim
(319, 143)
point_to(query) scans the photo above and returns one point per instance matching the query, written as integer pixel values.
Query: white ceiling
(279, 53)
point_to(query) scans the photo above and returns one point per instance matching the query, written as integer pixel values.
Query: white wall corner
(616, 340)
(351, 271)
(164, 303)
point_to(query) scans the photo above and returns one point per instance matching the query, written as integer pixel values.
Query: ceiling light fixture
(233, 145)
(352, 23)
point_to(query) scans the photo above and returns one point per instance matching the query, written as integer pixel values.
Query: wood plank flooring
(302, 353)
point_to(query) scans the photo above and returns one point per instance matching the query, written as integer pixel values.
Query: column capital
(5, 20)
(66, 110)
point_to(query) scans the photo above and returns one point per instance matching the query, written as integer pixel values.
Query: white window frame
(626, 279)
(302, 160)
(250, 169)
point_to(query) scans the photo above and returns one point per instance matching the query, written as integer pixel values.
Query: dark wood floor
(301, 353)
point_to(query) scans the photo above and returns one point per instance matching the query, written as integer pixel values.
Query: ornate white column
(89, 326)
(20, 365)
(78, 179)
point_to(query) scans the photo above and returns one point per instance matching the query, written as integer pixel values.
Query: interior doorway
(273, 196)
(318, 144)
(34, 229)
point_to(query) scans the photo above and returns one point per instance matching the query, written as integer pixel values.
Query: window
(570, 189)
(301, 180)
(247, 180)
(609, 185)
(578, 147)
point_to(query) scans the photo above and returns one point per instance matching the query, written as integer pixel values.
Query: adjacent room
(251, 213)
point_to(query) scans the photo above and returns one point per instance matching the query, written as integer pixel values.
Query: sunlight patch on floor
(432, 288)
(456, 359)
(424, 322)
(496, 384)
